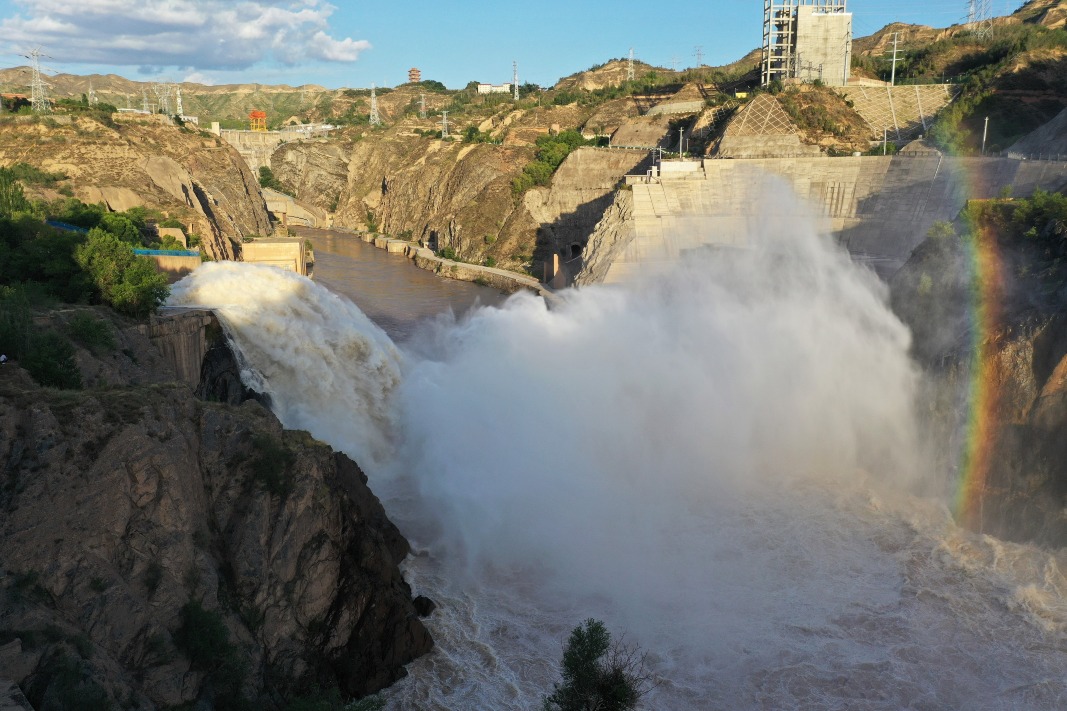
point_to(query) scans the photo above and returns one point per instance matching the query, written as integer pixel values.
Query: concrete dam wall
(879, 207)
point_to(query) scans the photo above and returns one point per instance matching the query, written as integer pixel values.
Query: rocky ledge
(159, 549)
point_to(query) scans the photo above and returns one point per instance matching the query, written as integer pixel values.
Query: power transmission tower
(674, 63)
(893, 75)
(630, 66)
(146, 106)
(38, 89)
(92, 93)
(700, 55)
(422, 106)
(375, 119)
(980, 18)
(444, 124)
(178, 101)
(162, 92)
(515, 80)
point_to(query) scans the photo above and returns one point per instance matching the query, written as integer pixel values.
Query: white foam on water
(716, 461)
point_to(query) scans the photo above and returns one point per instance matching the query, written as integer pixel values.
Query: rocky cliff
(457, 195)
(993, 346)
(185, 174)
(160, 549)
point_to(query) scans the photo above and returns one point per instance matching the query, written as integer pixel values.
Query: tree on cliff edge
(599, 675)
(129, 283)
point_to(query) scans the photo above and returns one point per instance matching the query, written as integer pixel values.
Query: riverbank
(425, 258)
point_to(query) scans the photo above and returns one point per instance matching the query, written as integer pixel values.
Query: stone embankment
(125, 502)
(426, 258)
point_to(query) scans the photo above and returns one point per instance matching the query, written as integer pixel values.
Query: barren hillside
(185, 174)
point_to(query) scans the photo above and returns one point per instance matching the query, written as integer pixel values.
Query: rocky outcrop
(186, 174)
(611, 235)
(996, 396)
(457, 195)
(123, 505)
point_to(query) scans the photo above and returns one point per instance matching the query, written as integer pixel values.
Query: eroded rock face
(191, 176)
(457, 195)
(995, 403)
(120, 505)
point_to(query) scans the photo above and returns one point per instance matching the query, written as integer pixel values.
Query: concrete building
(494, 88)
(806, 40)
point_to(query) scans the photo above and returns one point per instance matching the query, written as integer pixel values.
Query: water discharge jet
(714, 460)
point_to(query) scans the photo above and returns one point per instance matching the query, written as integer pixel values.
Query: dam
(879, 207)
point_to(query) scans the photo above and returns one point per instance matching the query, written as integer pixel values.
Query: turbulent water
(721, 462)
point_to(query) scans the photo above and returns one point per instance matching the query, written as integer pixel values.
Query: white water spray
(702, 460)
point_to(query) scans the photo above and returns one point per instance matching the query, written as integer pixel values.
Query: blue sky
(355, 43)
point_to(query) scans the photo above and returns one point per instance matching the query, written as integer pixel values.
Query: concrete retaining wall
(286, 254)
(880, 208)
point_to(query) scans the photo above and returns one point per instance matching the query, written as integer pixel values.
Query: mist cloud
(189, 34)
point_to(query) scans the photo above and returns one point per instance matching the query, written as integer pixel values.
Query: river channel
(389, 288)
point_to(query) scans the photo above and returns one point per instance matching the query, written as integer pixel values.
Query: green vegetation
(985, 69)
(267, 180)
(598, 675)
(29, 174)
(473, 135)
(91, 332)
(1039, 225)
(551, 151)
(203, 638)
(272, 464)
(65, 684)
(127, 282)
(41, 265)
(50, 361)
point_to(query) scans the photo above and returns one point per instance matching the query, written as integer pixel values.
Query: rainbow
(985, 268)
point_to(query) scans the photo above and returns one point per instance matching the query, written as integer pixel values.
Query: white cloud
(199, 78)
(194, 34)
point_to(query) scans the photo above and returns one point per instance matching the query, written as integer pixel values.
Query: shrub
(50, 361)
(203, 638)
(598, 674)
(271, 465)
(93, 333)
(128, 282)
(64, 684)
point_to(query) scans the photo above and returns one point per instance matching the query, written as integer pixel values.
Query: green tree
(12, 199)
(128, 282)
(122, 227)
(268, 180)
(597, 674)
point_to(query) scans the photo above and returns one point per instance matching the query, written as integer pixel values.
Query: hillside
(1017, 77)
(187, 175)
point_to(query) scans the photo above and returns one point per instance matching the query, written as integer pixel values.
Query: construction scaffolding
(806, 39)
